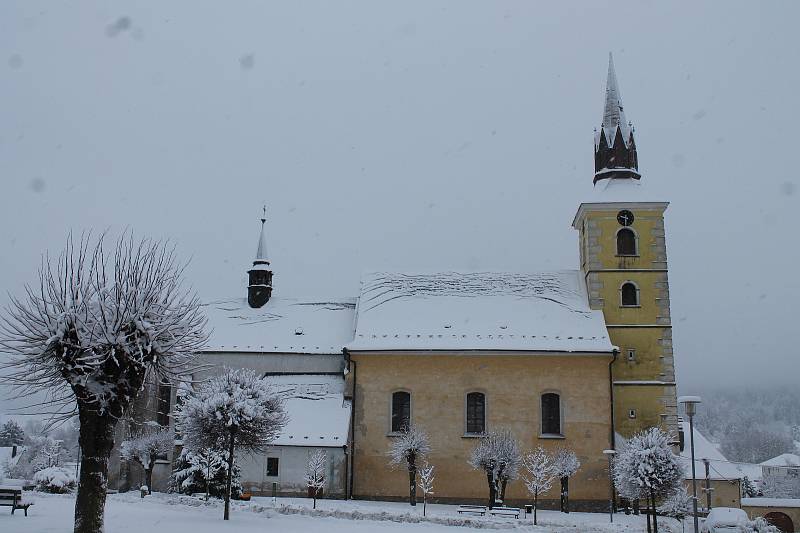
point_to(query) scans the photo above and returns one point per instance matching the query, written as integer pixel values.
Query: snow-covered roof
(719, 466)
(282, 325)
(318, 413)
(771, 502)
(546, 311)
(785, 459)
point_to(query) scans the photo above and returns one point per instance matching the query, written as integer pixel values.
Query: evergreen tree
(11, 434)
(204, 471)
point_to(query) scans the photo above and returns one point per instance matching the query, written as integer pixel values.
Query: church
(579, 359)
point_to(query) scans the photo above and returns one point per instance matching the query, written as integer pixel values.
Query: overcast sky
(413, 135)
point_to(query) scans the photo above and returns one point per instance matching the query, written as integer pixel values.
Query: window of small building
(631, 413)
(476, 413)
(163, 403)
(272, 466)
(551, 414)
(626, 242)
(401, 411)
(629, 295)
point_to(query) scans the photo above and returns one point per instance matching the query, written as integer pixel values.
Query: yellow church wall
(647, 402)
(512, 384)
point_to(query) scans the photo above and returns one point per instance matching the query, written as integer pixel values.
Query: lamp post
(610, 454)
(690, 407)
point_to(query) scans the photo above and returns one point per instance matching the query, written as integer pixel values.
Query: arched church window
(551, 414)
(629, 295)
(626, 242)
(476, 413)
(401, 411)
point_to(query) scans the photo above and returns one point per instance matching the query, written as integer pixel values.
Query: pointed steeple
(259, 287)
(261, 253)
(614, 148)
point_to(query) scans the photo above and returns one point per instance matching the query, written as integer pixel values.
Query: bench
(472, 509)
(505, 511)
(12, 497)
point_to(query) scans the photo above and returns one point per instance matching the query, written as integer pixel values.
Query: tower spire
(614, 148)
(259, 287)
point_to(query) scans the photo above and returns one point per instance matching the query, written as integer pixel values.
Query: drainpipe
(613, 439)
(351, 365)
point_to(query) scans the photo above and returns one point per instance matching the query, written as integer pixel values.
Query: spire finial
(263, 214)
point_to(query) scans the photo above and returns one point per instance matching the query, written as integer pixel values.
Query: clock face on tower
(625, 217)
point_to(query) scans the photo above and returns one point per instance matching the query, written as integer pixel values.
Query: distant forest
(751, 424)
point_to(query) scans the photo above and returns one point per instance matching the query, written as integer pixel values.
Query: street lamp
(690, 407)
(610, 454)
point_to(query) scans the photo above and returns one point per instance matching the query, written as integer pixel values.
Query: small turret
(614, 147)
(259, 287)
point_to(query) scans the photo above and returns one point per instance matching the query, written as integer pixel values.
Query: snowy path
(127, 513)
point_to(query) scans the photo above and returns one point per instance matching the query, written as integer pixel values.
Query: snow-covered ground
(127, 513)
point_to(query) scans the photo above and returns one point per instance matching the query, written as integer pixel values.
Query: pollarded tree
(89, 334)
(315, 473)
(408, 448)
(235, 410)
(426, 478)
(144, 448)
(11, 434)
(565, 465)
(539, 475)
(645, 467)
(498, 455)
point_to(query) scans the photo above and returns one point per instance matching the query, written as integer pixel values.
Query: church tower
(624, 261)
(259, 287)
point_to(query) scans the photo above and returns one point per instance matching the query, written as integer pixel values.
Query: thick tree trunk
(503, 490)
(565, 494)
(412, 480)
(148, 478)
(636, 506)
(228, 480)
(647, 514)
(491, 489)
(96, 440)
(653, 510)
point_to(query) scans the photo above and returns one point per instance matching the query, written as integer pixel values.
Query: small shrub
(55, 480)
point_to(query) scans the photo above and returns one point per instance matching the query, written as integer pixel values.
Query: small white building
(782, 466)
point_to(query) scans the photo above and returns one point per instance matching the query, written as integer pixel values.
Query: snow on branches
(408, 447)
(499, 456)
(234, 410)
(645, 467)
(539, 474)
(97, 323)
(315, 473)
(426, 479)
(146, 447)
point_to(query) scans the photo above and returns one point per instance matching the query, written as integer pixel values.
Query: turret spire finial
(614, 148)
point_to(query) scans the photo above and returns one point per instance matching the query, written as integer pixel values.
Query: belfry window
(401, 411)
(476, 413)
(626, 242)
(629, 295)
(551, 414)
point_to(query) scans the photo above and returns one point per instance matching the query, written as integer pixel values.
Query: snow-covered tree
(145, 447)
(677, 505)
(498, 455)
(749, 489)
(235, 410)
(315, 473)
(539, 474)
(205, 470)
(55, 480)
(426, 479)
(11, 434)
(408, 448)
(760, 525)
(565, 465)
(645, 467)
(89, 334)
(773, 486)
